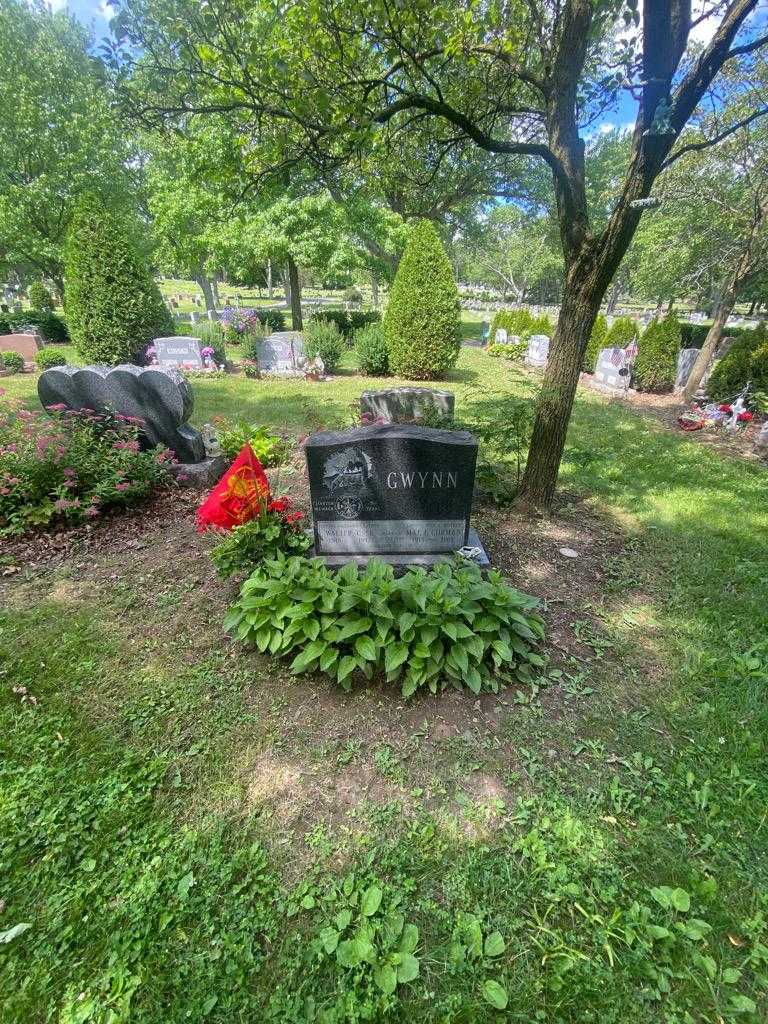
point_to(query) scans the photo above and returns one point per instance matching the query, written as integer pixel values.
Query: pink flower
(56, 407)
(70, 471)
(92, 511)
(122, 486)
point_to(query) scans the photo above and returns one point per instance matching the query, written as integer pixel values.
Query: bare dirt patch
(306, 753)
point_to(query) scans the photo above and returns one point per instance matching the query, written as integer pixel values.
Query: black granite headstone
(160, 398)
(391, 489)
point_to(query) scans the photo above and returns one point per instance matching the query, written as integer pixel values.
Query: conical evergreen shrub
(422, 322)
(596, 343)
(114, 308)
(656, 364)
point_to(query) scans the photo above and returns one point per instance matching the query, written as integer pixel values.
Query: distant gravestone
(399, 492)
(27, 344)
(500, 338)
(160, 397)
(612, 370)
(762, 438)
(406, 405)
(538, 350)
(178, 351)
(685, 360)
(282, 354)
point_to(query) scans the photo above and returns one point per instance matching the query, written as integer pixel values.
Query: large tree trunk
(553, 411)
(613, 298)
(295, 294)
(207, 290)
(215, 291)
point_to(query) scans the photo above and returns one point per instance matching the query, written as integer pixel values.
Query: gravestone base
(200, 475)
(406, 559)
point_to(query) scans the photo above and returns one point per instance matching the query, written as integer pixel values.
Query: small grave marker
(178, 351)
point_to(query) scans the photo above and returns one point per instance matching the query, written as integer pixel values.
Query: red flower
(279, 505)
(744, 417)
(724, 407)
(294, 517)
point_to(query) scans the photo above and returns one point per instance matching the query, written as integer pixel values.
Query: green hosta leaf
(354, 626)
(503, 650)
(495, 994)
(743, 1004)
(371, 900)
(330, 939)
(394, 656)
(343, 919)
(407, 969)
(328, 659)
(385, 979)
(366, 648)
(311, 628)
(656, 931)
(494, 944)
(305, 658)
(731, 975)
(474, 680)
(346, 666)
(410, 685)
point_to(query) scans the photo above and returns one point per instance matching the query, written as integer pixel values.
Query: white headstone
(612, 370)
(538, 350)
(500, 338)
(685, 361)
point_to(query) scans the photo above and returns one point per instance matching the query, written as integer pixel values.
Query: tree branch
(695, 147)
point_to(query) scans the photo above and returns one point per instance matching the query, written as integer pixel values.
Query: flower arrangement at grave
(239, 324)
(256, 525)
(71, 466)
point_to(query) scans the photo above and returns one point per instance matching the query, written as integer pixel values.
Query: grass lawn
(189, 833)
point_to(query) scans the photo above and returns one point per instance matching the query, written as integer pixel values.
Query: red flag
(240, 495)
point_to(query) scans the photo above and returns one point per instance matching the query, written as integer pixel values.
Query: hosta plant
(448, 627)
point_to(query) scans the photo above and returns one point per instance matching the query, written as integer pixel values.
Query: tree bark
(553, 411)
(205, 286)
(294, 285)
(270, 288)
(215, 290)
(725, 306)
(613, 298)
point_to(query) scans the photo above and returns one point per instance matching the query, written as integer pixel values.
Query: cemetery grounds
(182, 823)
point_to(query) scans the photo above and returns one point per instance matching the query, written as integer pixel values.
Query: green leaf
(681, 900)
(406, 621)
(743, 1004)
(343, 919)
(394, 655)
(410, 939)
(330, 939)
(348, 629)
(346, 665)
(184, 884)
(494, 944)
(371, 900)
(731, 975)
(474, 680)
(366, 648)
(495, 994)
(407, 969)
(348, 953)
(385, 979)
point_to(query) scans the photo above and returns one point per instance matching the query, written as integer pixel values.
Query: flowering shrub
(277, 529)
(71, 466)
(242, 325)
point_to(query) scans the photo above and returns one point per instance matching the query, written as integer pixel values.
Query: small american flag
(631, 350)
(617, 357)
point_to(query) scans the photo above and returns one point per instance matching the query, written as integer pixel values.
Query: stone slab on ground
(200, 475)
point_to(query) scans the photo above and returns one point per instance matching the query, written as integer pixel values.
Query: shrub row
(448, 627)
(746, 360)
(347, 322)
(52, 327)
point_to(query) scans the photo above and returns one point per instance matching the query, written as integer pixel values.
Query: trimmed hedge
(348, 321)
(52, 327)
(272, 319)
(13, 362)
(422, 324)
(513, 321)
(371, 350)
(622, 331)
(324, 340)
(114, 307)
(39, 297)
(693, 335)
(745, 361)
(596, 343)
(656, 364)
(48, 357)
